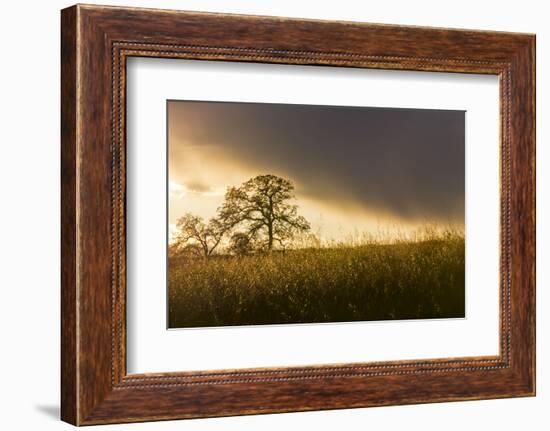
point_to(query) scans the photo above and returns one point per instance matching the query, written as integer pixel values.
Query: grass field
(405, 279)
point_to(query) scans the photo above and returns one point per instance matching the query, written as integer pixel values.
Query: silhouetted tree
(197, 237)
(261, 207)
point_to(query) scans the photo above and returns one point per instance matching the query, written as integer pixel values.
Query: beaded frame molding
(95, 43)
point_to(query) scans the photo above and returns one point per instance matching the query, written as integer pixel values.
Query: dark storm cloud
(404, 161)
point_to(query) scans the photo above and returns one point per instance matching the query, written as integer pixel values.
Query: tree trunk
(270, 225)
(270, 235)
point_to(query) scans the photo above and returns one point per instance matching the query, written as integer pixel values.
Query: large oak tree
(261, 206)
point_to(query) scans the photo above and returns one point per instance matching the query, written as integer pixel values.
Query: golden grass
(406, 278)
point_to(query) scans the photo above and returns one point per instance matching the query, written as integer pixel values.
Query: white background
(29, 228)
(151, 348)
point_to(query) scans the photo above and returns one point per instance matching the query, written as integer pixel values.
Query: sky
(356, 170)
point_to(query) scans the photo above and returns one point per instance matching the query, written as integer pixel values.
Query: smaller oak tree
(197, 237)
(240, 244)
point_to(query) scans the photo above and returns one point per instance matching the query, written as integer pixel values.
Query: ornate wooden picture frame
(96, 41)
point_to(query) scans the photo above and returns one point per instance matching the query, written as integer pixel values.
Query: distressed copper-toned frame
(95, 42)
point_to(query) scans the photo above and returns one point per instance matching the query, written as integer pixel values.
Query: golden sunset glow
(209, 152)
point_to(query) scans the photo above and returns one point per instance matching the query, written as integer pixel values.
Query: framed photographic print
(268, 215)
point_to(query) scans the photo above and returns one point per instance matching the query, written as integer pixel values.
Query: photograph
(287, 214)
